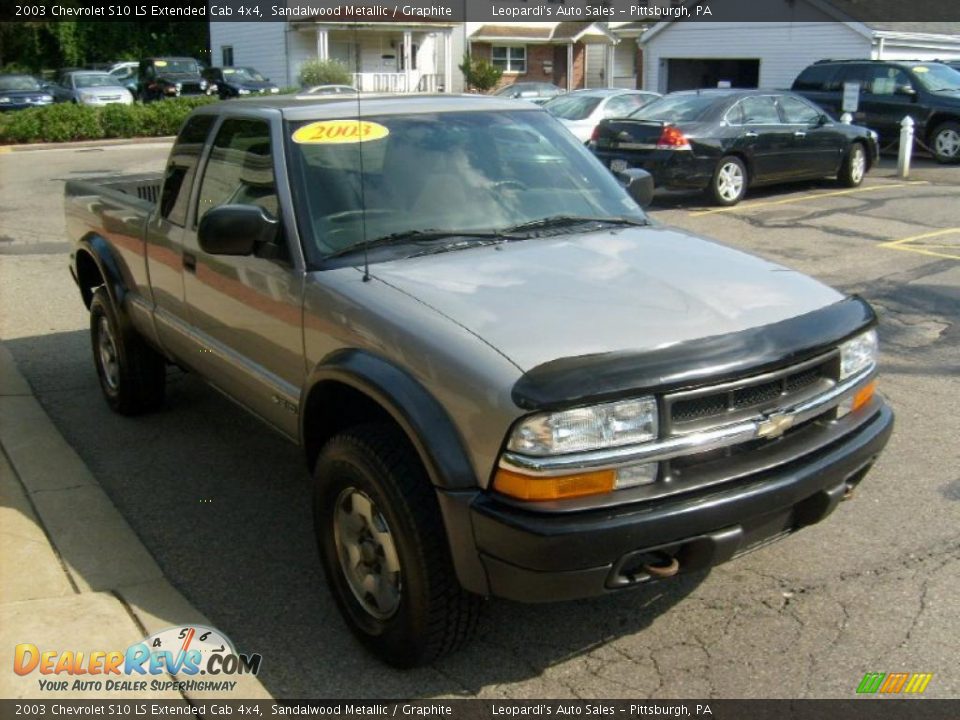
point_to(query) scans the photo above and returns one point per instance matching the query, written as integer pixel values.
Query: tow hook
(663, 566)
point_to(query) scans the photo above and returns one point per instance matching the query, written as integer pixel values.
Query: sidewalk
(73, 574)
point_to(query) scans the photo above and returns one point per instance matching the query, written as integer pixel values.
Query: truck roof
(307, 107)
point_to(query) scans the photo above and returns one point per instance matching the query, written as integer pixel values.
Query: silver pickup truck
(506, 380)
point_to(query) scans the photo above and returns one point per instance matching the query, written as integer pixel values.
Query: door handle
(750, 134)
(190, 262)
(799, 134)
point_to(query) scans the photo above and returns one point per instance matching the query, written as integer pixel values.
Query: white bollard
(906, 147)
(846, 118)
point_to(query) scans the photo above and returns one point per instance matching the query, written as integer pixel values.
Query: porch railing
(380, 82)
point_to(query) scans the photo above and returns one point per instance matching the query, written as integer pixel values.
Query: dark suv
(167, 77)
(929, 92)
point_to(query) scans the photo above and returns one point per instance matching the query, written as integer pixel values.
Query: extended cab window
(178, 179)
(240, 168)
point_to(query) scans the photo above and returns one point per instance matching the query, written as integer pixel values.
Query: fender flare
(99, 251)
(434, 437)
(422, 418)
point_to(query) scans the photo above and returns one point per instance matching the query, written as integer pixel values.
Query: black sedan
(22, 91)
(724, 141)
(239, 81)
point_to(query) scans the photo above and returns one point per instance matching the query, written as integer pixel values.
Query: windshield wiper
(413, 236)
(557, 221)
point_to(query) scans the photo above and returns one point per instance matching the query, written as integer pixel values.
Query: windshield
(456, 172)
(18, 82)
(94, 80)
(243, 74)
(572, 107)
(676, 108)
(936, 78)
(177, 66)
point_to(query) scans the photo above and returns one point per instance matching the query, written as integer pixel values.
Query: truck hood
(633, 289)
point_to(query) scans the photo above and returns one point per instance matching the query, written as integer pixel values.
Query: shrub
(480, 73)
(324, 72)
(66, 121)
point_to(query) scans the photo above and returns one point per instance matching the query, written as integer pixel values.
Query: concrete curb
(73, 573)
(80, 144)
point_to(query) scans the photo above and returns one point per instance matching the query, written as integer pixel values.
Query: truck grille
(191, 89)
(709, 407)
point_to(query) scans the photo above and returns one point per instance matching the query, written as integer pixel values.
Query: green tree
(324, 72)
(480, 73)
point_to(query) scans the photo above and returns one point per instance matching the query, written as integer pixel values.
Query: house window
(509, 59)
(226, 53)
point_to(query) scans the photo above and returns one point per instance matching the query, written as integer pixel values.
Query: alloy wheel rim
(948, 143)
(367, 553)
(857, 164)
(730, 181)
(108, 355)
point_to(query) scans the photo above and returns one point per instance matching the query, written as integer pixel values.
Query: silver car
(582, 110)
(91, 88)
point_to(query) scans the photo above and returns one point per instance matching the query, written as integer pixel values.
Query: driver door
(246, 310)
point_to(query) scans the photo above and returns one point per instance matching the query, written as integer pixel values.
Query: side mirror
(822, 120)
(639, 185)
(236, 229)
(907, 90)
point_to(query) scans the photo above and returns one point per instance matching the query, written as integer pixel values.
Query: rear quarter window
(815, 77)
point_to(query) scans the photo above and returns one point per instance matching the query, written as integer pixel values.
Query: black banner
(492, 11)
(858, 709)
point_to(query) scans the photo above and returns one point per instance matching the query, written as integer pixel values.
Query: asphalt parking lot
(222, 502)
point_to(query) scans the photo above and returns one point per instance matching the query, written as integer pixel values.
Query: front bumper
(538, 557)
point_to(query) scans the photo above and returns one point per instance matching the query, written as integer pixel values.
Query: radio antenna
(363, 196)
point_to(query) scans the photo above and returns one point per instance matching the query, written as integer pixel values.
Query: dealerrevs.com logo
(190, 652)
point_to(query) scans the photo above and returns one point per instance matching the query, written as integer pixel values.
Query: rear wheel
(854, 167)
(384, 548)
(729, 182)
(132, 374)
(945, 142)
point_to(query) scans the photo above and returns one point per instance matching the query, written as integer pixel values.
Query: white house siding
(784, 49)
(625, 64)
(895, 49)
(255, 44)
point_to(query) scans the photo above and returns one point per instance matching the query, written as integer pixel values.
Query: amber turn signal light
(864, 395)
(527, 487)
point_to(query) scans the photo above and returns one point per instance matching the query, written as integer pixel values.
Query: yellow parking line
(786, 201)
(904, 244)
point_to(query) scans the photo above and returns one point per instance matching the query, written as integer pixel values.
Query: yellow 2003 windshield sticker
(340, 132)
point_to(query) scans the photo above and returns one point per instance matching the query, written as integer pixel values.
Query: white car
(91, 88)
(582, 110)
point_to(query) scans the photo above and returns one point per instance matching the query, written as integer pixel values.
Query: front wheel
(729, 182)
(945, 142)
(132, 374)
(854, 167)
(384, 548)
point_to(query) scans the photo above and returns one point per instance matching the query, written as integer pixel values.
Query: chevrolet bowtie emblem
(774, 426)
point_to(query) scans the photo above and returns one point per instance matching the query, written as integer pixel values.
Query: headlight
(609, 425)
(44, 98)
(858, 354)
(4, 99)
(243, 91)
(274, 90)
(203, 84)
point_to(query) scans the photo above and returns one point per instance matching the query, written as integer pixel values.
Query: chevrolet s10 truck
(505, 379)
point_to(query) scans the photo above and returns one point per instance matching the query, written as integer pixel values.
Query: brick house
(546, 52)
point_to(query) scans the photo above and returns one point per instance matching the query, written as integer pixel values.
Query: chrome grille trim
(692, 443)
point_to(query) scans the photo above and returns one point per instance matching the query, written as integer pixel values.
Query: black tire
(719, 190)
(134, 380)
(432, 615)
(854, 167)
(945, 142)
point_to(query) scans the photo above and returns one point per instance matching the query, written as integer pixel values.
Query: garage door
(696, 73)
